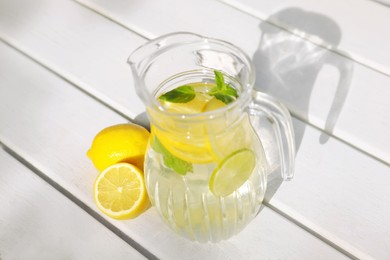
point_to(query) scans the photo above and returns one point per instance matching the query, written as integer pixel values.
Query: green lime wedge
(232, 172)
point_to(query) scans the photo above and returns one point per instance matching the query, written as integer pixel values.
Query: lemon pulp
(120, 192)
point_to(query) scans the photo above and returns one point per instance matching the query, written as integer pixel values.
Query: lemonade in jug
(205, 166)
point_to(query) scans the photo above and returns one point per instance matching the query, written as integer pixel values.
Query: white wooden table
(64, 77)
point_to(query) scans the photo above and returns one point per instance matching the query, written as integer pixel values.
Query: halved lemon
(232, 172)
(120, 191)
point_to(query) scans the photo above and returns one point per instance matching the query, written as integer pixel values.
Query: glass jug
(206, 172)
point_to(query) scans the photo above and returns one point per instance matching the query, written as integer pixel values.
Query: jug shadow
(287, 67)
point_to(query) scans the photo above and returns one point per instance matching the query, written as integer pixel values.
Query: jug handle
(280, 119)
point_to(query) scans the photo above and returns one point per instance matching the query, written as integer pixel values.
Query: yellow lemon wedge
(194, 106)
(191, 146)
(119, 143)
(120, 191)
(213, 104)
(232, 172)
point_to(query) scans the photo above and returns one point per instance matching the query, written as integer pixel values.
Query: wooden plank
(339, 193)
(54, 127)
(98, 66)
(69, 40)
(38, 222)
(350, 27)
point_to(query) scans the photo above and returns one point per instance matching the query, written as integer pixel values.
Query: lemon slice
(120, 191)
(213, 104)
(232, 172)
(187, 141)
(194, 106)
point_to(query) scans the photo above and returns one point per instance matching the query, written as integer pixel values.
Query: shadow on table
(142, 119)
(287, 68)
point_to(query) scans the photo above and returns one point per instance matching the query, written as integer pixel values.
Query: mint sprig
(178, 165)
(222, 91)
(182, 94)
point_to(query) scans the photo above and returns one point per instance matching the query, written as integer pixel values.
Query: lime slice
(232, 172)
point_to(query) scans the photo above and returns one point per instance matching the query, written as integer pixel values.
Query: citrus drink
(205, 166)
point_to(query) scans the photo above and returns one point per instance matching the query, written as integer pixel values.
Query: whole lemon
(119, 143)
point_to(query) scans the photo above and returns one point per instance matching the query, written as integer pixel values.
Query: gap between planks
(310, 231)
(141, 33)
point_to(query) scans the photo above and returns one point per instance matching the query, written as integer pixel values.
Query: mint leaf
(182, 94)
(219, 79)
(178, 165)
(222, 91)
(229, 90)
(224, 98)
